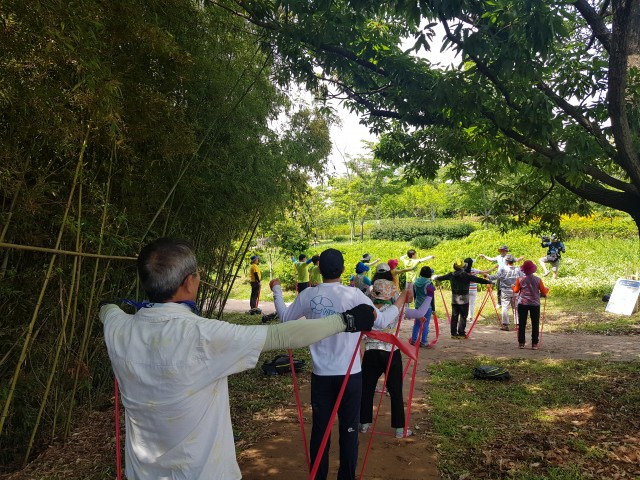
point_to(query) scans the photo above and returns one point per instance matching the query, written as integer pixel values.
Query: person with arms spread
(411, 262)
(172, 367)
(460, 281)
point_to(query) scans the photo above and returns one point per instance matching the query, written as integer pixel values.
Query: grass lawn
(556, 419)
(562, 420)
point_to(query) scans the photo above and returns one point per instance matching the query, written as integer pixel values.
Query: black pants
(324, 393)
(534, 310)
(462, 311)
(255, 293)
(374, 364)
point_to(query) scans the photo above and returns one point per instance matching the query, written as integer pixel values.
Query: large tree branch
(596, 23)
(623, 201)
(554, 152)
(482, 67)
(610, 181)
(519, 138)
(575, 113)
(624, 27)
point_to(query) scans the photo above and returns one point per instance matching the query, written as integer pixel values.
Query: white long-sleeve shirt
(332, 355)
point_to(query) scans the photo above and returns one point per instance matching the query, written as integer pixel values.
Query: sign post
(624, 298)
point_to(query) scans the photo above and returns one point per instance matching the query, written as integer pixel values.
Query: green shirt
(302, 271)
(314, 275)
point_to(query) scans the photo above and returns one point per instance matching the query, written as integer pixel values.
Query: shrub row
(406, 231)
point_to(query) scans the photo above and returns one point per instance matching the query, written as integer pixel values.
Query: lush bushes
(590, 267)
(407, 230)
(425, 241)
(598, 226)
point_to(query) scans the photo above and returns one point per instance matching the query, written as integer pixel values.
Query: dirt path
(282, 454)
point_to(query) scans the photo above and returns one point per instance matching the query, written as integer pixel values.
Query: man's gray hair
(163, 265)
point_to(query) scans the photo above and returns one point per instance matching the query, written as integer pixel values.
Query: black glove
(359, 318)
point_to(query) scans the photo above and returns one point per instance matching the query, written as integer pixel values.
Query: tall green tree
(122, 121)
(550, 84)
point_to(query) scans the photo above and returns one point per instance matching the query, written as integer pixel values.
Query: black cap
(331, 263)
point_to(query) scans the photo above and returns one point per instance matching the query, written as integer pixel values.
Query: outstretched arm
(404, 270)
(419, 312)
(293, 311)
(301, 334)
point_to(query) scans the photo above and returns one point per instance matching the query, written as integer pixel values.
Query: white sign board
(624, 297)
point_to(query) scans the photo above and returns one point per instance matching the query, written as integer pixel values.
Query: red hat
(393, 263)
(528, 267)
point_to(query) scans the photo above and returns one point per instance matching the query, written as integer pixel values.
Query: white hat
(383, 267)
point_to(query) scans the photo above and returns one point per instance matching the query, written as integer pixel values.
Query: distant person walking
(255, 280)
(555, 249)
(530, 289)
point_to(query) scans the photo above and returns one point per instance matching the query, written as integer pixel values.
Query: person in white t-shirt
(172, 367)
(331, 358)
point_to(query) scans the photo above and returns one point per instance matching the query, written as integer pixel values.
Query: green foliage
(599, 226)
(407, 230)
(588, 269)
(289, 237)
(532, 83)
(155, 116)
(425, 241)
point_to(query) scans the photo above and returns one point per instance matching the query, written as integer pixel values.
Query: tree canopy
(551, 84)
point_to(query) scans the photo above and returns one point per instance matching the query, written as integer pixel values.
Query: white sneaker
(364, 427)
(400, 433)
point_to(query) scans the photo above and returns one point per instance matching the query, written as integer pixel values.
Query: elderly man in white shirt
(172, 366)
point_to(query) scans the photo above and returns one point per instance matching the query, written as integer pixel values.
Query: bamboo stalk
(90, 316)
(5, 228)
(34, 316)
(54, 366)
(58, 251)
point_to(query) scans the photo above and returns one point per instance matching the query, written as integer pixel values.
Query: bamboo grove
(120, 122)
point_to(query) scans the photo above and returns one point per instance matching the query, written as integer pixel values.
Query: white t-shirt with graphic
(332, 355)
